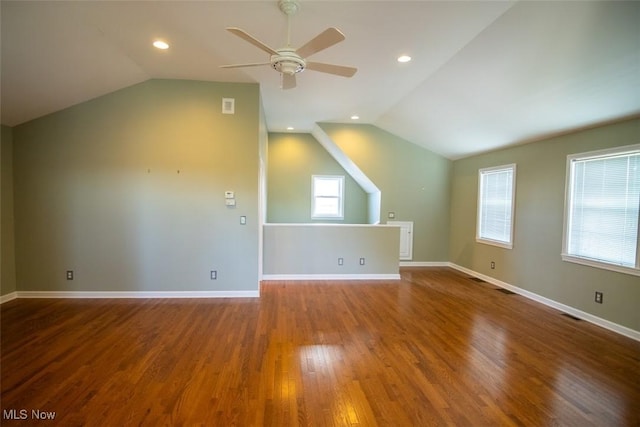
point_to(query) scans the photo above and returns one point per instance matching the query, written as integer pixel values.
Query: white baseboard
(150, 294)
(424, 264)
(331, 277)
(8, 297)
(622, 330)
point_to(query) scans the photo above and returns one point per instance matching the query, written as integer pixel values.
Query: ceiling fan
(289, 61)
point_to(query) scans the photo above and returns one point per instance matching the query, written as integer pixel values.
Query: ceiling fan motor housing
(287, 61)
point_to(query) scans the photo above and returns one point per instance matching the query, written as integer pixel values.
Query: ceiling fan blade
(325, 39)
(254, 41)
(288, 81)
(255, 64)
(339, 70)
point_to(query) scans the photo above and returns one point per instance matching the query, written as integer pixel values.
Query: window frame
(569, 180)
(340, 215)
(479, 237)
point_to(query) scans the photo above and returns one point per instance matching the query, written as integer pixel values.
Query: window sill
(495, 243)
(601, 265)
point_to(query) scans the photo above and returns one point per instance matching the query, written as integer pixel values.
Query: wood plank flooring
(435, 348)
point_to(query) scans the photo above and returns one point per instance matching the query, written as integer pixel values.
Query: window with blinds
(496, 196)
(602, 209)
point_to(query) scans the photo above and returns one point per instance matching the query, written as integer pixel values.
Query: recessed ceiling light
(160, 44)
(355, 117)
(289, 127)
(404, 58)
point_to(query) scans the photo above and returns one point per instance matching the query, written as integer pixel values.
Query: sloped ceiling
(484, 74)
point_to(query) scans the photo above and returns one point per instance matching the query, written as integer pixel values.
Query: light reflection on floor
(572, 385)
(488, 346)
(323, 364)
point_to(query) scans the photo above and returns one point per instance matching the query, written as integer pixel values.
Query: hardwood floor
(435, 348)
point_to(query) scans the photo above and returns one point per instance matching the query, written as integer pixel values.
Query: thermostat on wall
(229, 195)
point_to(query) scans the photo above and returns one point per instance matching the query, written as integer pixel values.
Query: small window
(496, 194)
(602, 209)
(327, 201)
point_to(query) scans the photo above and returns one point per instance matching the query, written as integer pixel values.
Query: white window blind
(496, 193)
(603, 206)
(327, 197)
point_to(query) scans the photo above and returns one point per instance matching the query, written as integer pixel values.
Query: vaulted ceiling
(484, 74)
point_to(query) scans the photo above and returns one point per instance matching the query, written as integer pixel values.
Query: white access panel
(406, 238)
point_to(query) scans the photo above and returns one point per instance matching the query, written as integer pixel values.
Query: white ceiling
(485, 74)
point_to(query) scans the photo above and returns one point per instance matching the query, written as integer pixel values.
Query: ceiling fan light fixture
(288, 67)
(287, 62)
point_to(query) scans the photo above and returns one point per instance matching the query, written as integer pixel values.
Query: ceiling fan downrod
(287, 61)
(289, 8)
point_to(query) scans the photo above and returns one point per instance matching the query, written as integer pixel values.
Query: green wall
(128, 190)
(293, 159)
(414, 183)
(534, 263)
(7, 256)
(313, 250)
